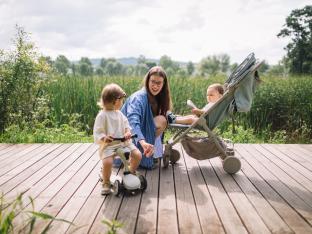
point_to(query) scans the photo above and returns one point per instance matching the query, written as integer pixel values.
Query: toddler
(111, 123)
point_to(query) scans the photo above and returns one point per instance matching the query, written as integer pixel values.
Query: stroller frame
(231, 164)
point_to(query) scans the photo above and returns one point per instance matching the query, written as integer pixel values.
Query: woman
(146, 111)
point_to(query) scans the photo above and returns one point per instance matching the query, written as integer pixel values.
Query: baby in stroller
(214, 93)
(237, 97)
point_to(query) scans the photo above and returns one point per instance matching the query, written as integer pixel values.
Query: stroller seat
(239, 89)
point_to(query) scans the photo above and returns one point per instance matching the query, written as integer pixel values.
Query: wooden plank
(23, 156)
(246, 211)
(49, 185)
(88, 211)
(147, 218)
(295, 155)
(280, 171)
(307, 147)
(108, 210)
(287, 213)
(207, 213)
(9, 147)
(4, 146)
(28, 172)
(75, 203)
(47, 174)
(269, 216)
(128, 212)
(59, 193)
(303, 152)
(186, 206)
(227, 213)
(167, 211)
(293, 169)
(15, 152)
(271, 193)
(35, 156)
(283, 190)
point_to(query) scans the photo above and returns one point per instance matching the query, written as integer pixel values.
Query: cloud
(182, 29)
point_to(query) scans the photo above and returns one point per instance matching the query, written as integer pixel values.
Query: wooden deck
(271, 194)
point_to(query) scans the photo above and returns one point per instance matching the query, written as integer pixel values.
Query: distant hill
(123, 61)
(128, 61)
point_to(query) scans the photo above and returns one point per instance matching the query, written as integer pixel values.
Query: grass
(281, 110)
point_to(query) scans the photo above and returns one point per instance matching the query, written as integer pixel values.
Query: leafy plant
(9, 211)
(112, 225)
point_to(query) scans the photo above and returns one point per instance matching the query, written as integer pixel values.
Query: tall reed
(278, 103)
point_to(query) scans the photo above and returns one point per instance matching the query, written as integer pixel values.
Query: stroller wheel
(231, 164)
(165, 160)
(174, 156)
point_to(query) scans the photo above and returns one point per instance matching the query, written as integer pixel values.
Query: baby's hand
(197, 111)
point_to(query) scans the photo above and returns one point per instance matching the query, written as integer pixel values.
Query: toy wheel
(174, 156)
(231, 164)
(117, 188)
(143, 182)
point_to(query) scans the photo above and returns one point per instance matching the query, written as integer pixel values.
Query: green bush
(22, 76)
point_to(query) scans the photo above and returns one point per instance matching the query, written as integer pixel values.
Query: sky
(184, 30)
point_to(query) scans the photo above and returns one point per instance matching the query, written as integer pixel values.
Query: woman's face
(155, 84)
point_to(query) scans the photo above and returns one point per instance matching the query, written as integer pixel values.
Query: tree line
(23, 73)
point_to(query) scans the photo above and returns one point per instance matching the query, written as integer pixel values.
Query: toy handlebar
(122, 139)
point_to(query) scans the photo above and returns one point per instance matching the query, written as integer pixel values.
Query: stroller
(239, 89)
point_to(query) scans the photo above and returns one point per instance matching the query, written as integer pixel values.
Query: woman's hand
(148, 149)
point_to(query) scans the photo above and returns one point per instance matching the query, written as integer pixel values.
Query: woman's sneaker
(171, 118)
(106, 188)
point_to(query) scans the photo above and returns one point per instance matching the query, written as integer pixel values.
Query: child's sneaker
(170, 117)
(106, 188)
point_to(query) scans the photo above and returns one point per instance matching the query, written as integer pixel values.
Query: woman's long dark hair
(164, 97)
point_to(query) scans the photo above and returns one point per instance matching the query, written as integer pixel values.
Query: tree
(114, 68)
(264, 67)
(190, 68)
(299, 51)
(209, 66)
(140, 69)
(85, 67)
(166, 62)
(103, 63)
(224, 62)
(62, 64)
(141, 59)
(99, 71)
(22, 75)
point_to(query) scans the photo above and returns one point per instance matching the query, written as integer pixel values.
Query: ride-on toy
(128, 182)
